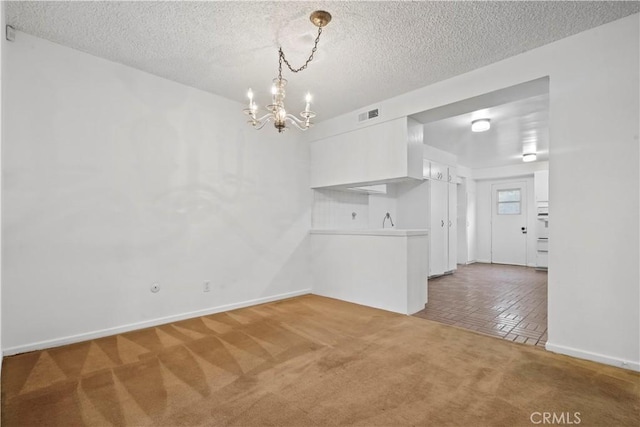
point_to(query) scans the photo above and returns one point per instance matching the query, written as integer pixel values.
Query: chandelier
(276, 112)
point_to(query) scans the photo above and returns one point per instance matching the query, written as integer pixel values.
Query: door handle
(524, 230)
(442, 225)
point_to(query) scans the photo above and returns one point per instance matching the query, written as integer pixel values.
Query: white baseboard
(594, 357)
(146, 324)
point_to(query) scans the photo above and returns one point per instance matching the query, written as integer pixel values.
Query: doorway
(509, 223)
(495, 279)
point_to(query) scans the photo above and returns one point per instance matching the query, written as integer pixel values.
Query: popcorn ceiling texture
(371, 51)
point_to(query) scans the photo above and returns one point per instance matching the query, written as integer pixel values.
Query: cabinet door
(438, 234)
(452, 175)
(452, 252)
(426, 169)
(365, 155)
(438, 171)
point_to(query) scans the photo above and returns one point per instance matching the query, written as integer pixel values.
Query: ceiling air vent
(368, 115)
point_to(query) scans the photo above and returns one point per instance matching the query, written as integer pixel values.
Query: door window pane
(509, 202)
(508, 195)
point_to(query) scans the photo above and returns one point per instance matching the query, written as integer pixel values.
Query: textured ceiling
(371, 51)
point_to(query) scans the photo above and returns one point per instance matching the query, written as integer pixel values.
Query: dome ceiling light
(480, 125)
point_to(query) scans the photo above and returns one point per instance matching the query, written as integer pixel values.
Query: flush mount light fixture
(529, 157)
(480, 125)
(276, 111)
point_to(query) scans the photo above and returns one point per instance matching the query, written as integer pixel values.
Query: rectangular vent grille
(368, 115)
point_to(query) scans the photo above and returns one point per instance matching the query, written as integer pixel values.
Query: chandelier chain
(296, 70)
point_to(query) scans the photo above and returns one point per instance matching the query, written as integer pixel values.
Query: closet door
(452, 230)
(438, 251)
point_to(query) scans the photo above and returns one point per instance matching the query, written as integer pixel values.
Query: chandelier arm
(303, 128)
(294, 119)
(260, 125)
(264, 118)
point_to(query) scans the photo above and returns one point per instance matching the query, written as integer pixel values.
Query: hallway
(504, 301)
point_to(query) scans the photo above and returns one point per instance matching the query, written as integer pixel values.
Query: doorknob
(524, 230)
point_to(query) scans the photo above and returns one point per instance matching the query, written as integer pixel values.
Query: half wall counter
(383, 268)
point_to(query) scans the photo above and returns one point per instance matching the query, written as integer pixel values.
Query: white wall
(380, 204)
(334, 209)
(413, 205)
(2, 42)
(484, 207)
(594, 280)
(116, 179)
(594, 283)
(511, 171)
(462, 221)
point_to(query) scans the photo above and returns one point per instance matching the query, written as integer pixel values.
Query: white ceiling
(517, 127)
(371, 51)
(519, 124)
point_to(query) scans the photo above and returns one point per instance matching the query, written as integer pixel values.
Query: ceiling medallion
(276, 111)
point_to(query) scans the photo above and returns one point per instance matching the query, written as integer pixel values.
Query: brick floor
(505, 301)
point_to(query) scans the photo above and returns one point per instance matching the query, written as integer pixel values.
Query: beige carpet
(310, 361)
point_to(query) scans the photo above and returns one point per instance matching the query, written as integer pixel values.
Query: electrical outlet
(206, 286)
(155, 288)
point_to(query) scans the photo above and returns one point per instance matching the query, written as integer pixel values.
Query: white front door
(509, 223)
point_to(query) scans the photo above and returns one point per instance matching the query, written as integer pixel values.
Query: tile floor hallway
(505, 301)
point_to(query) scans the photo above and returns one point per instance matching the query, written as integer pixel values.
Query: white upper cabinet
(452, 176)
(438, 171)
(385, 152)
(426, 169)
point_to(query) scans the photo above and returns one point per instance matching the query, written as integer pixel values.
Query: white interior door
(452, 255)
(438, 234)
(509, 223)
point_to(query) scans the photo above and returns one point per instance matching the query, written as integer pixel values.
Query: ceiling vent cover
(368, 115)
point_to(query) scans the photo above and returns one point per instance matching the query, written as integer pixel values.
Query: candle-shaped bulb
(250, 95)
(308, 99)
